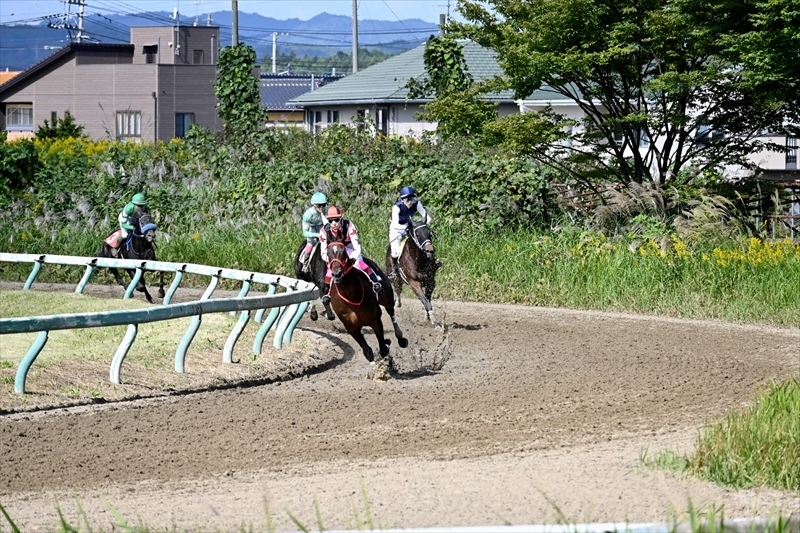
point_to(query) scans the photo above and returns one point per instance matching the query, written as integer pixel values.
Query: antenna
(197, 11)
(176, 16)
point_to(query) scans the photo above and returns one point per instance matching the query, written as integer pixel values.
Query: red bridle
(346, 263)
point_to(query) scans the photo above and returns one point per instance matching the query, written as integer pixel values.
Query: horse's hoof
(331, 317)
(161, 293)
(313, 315)
(403, 342)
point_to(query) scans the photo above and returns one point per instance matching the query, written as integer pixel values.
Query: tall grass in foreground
(759, 446)
(745, 280)
(754, 447)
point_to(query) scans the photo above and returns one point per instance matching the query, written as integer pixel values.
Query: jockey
(338, 229)
(402, 212)
(313, 220)
(129, 217)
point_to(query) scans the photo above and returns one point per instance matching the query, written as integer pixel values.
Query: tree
(639, 70)
(457, 106)
(62, 128)
(237, 90)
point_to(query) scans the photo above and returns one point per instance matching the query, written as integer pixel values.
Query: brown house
(151, 89)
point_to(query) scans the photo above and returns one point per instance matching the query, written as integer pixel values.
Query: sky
(14, 11)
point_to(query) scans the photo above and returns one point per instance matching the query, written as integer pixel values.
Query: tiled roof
(385, 82)
(277, 90)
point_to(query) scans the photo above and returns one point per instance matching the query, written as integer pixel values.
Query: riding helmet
(334, 212)
(319, 199)
(407, 191)
(138, 199)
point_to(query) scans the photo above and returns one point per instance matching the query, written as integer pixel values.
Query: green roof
(385, 82)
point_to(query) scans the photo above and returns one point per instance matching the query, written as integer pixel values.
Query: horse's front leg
(355, 332)
(141, 287)
(416, 286)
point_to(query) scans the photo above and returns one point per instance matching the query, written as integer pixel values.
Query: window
(315, 121)
(361, 117)
(382, 120)
(53, 117)
(199, 57)
(642, 138)
(150, 53)
(129, 125)
(333, 116)
(182, 123)
(19, 117)
(791, 155)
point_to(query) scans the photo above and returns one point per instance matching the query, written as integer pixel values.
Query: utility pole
(234, 22)
(69, 27)
(274, 51)
(355, 36)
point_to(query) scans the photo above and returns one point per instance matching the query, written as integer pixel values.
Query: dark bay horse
(417, 266)
(138, 246)
(316, 275)
(357, 306)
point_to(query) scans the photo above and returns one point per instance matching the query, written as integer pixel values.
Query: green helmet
(138, 199)
(319, 199)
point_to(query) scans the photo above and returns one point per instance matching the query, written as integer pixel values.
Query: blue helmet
(407, 191)
(319, 198)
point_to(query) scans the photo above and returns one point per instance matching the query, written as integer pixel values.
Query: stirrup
(377, 286)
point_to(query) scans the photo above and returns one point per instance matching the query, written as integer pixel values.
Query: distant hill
(322, 36)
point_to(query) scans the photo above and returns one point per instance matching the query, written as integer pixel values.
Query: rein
(351, 303)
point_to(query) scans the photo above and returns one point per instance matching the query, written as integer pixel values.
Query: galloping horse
(316, 275)
(139, 246)
(417, 266)
(357, 305)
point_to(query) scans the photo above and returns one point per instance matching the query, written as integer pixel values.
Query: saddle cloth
(112, 239)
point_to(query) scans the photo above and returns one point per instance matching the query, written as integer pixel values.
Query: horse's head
(421, 235)
(147, 228)
(338, 261)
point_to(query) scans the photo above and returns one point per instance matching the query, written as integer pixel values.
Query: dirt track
(533, 404)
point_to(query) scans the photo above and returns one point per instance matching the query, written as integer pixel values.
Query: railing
(286, 308)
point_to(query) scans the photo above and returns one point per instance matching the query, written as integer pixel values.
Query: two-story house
(152, 89)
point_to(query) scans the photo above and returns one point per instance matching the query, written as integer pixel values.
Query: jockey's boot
(394, 273)
(326, 298)
(303, 260)
(376, 282)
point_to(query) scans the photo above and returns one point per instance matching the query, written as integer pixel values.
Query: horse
(316, 275)
(416, 265)
(357, 306)
(139, 246)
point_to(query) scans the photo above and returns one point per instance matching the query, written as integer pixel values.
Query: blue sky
(427, 10)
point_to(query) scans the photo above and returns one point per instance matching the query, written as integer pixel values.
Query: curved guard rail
(286, 308)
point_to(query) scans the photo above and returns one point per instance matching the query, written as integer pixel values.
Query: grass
(745, 280)
(758, 446)
(155, 343)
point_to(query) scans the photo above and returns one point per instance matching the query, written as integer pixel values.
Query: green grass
(742, 280)
(754, 447)
(155, 344)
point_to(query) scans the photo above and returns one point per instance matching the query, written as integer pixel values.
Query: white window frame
(129, 125)
(19, 117)
(791, 154)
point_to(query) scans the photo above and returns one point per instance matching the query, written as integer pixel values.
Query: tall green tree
(457, 107)
(639, 70)
(62, 128)
(237, 90)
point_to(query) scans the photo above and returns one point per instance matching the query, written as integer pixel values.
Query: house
(377, 94)
(151, 89)
(278, 89)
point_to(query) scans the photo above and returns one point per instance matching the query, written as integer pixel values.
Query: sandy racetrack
(533, 405)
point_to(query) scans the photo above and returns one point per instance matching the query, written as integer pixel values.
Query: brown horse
(357, 306)
(417, 266)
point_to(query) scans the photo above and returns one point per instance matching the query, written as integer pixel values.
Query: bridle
(421, 245)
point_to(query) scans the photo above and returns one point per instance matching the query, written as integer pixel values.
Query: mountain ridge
(320, 36)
